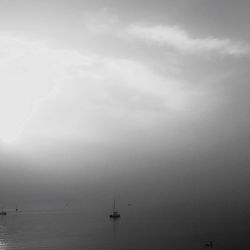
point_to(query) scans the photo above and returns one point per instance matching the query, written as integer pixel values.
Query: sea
(90, 229)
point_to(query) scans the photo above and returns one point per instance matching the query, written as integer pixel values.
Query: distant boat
(209, 244)
(114, 214)
(3, 212)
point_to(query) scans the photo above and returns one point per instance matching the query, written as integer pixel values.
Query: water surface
(93, 230)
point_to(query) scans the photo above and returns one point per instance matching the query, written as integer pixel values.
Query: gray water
(135, 230)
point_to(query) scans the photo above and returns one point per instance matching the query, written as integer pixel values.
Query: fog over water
(145, 101)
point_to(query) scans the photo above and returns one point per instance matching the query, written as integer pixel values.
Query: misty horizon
(142, 101)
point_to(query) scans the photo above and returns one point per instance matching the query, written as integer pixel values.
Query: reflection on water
(64, 230)
(3, 244)
(115, 225)
(53, 230)
(115, 231)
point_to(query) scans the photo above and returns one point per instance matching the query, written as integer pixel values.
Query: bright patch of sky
(93, 74)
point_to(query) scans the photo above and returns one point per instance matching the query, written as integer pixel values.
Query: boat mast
(114, 207)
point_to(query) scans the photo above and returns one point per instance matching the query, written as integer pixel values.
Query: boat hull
(114, 216)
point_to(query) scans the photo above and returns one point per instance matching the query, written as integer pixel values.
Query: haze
(147, 101)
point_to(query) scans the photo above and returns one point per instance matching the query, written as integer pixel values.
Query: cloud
(103, 22)
(117, 101)
(70, 95)
(30, 71)
(177, 38)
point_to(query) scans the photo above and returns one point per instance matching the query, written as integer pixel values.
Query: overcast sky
(138, 96)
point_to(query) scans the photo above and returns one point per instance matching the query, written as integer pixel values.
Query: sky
(145, 100)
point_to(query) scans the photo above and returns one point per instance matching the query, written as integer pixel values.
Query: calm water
(81, 230)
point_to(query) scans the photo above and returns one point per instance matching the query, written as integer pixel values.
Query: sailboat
(114, 214)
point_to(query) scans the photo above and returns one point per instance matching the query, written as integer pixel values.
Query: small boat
(3, 213)
(209, 244)
(114, 214)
